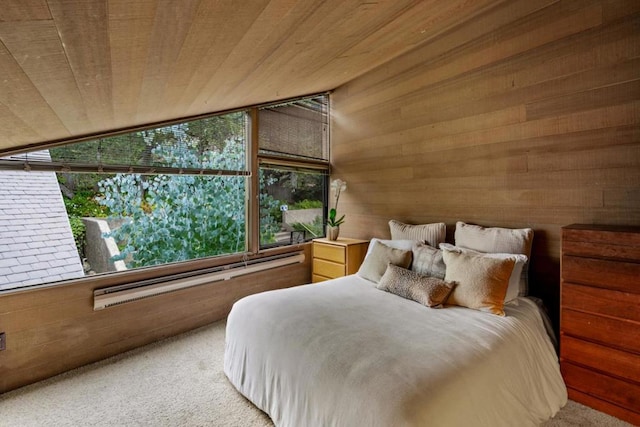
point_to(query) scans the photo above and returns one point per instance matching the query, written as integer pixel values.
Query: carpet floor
(175, 382)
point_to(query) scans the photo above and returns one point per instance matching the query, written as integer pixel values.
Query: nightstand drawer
(330, 253)
(327, 268)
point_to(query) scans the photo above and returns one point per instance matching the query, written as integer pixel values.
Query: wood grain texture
(52, 330)
(609, 274)
(621, 393)
(83, 30)
(42, 55)
(612, 331)
(607, 302)
(24, 10)
(601, 405)
(605, 359)
(526, 116)
(600, 320)
(142, 62)
(337, 258)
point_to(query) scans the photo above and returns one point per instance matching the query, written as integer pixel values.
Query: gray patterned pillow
(428, 261)
(428, 291)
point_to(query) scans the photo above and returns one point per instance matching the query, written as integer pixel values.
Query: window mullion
(253, 223)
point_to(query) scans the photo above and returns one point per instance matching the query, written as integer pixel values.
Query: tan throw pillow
(515, 280)
(428, 261)
(375, 264)
(481, 282)
(498, 240)
(432, 234)
(428, 291)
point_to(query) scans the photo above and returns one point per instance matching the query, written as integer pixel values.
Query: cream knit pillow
(481, 282)
(498, 240)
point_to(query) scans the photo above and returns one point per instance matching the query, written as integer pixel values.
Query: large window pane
(170, 218)
(119, 221)
(292, 205)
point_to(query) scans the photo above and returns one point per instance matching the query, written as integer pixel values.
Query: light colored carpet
(175, 382)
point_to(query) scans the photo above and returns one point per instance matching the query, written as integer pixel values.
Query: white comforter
(343, 353)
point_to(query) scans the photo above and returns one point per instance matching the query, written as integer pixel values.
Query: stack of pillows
(485, 269)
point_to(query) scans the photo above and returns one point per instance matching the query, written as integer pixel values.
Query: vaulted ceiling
(70, 68)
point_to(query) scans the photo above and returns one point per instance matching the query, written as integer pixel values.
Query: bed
(345, 353)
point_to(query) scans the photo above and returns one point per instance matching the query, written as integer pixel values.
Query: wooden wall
(51, 330)
(528, 116)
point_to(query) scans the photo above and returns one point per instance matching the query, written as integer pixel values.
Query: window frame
(252, 222)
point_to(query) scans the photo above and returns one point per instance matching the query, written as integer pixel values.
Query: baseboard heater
(115, 295)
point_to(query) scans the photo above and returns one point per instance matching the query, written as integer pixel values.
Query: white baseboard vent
(116, 295)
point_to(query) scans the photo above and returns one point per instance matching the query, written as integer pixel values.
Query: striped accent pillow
(431, 234)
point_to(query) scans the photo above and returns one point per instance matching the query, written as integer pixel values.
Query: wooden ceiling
(70, 68)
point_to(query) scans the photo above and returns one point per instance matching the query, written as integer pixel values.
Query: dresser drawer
(604, 359)
(604, 406)
(616, 391)
(619, 333)
(330, 252)
(624, 305)
(601, 250)
(327, 268)
(620, 276)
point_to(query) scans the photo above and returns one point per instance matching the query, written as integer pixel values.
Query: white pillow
(515, 280)
(497, 240)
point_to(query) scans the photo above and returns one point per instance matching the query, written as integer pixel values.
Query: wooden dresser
(600, 318)
(337, 258)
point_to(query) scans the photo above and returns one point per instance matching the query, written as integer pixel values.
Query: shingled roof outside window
(36, 243)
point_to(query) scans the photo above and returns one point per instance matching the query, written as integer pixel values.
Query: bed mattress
(343, 353)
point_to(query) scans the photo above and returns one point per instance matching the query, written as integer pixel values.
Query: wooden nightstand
(337, 258)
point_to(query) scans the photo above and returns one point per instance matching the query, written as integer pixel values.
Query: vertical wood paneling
(83, 30)
(130, 30)
(39, 46)
(24, 10)
(532, 120)
(21, 109)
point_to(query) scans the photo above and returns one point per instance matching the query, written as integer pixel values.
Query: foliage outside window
(297, 204)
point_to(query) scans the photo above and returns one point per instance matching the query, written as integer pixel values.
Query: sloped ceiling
(70, 68)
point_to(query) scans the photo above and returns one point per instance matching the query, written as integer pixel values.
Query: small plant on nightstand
(333, 222)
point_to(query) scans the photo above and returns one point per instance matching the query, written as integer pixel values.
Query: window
(291, 205)
(293, 154)
(163, 195)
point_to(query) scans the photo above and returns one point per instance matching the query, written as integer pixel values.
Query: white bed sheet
(343, 353)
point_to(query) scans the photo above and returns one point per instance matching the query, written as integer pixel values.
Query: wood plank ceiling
(70, 68)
